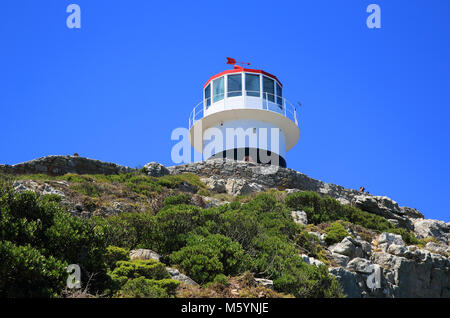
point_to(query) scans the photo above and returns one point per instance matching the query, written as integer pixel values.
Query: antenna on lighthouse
(232, 61)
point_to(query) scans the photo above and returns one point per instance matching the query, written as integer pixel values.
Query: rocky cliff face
(383, 266)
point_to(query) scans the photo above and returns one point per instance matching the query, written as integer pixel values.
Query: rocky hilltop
(415, 268)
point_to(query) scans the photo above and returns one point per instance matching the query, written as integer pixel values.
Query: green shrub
(335, 233)
(221, 279)
(128, 230)
(177, 199)
(150, 269)
(88, 188)
(142, 278)
(174, 223)
(27, 219)
(309, 281)
(325, 209)
(203, 258)
(309, 244)
(114, 254)
(141, 288)
(25, 272)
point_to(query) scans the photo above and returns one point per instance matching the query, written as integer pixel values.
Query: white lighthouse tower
(244, 116)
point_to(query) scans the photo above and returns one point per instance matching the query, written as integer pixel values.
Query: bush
(150, 269)
(326, 209)
(128, 230)
(141, 288)
(309, 244)
(115, 254)
(40, 223)
(177, 199)
(335, 233)
(175, 222)
(222, 280)
(203, 258)
(25, 272)
(309, 281)
(142, 278)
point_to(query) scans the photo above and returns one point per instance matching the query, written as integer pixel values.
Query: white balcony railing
(268, 102)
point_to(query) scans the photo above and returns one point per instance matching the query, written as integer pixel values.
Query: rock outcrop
(60, 165)
(391, 270)
(239, 177)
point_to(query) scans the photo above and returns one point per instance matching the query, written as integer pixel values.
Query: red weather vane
(232, 61)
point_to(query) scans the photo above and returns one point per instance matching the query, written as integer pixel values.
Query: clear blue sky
(376, 102)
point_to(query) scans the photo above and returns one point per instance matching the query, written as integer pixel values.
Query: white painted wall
(253, 137)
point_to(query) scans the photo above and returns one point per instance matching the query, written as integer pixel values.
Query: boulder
(437, 248)
(360, 265)
(399, 250)
(340, 259)
(264, 282)
(348, 247)
(155, 169)
(311, 260)
(385, 207)
(236, 187)
(432, 228)
(144, 254)
(349, 281)
(176, 275)
(300, 217)
(215, 184)
(386, 239)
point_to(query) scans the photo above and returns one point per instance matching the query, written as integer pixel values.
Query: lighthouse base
(251, 155)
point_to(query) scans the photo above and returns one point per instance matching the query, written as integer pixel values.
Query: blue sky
(376, 102)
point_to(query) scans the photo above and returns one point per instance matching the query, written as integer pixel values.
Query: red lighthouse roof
(239, 69)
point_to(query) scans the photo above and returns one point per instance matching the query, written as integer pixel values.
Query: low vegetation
(218, 247)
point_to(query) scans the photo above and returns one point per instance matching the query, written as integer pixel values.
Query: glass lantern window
(218, 89)
(252, 86)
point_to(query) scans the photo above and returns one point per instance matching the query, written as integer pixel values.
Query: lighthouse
(244, 116)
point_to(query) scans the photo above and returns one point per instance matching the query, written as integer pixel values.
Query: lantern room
(244, 116)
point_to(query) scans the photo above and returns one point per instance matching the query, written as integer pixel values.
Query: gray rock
(176, 275)
(60, 165)
(399, 250)
(349, 281)
(236, 187)
(360, 265)
(155, 169)
(348, 247)
(386, 239)
(311, 260)
(212, 202)
(264, 282)
(437, 248)
(144, 254)
(385, 207)
(340, 259)
(42, 189)
(291, 191)
(300, 217)
(420, 274)
(215, 184)
(432, 228)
